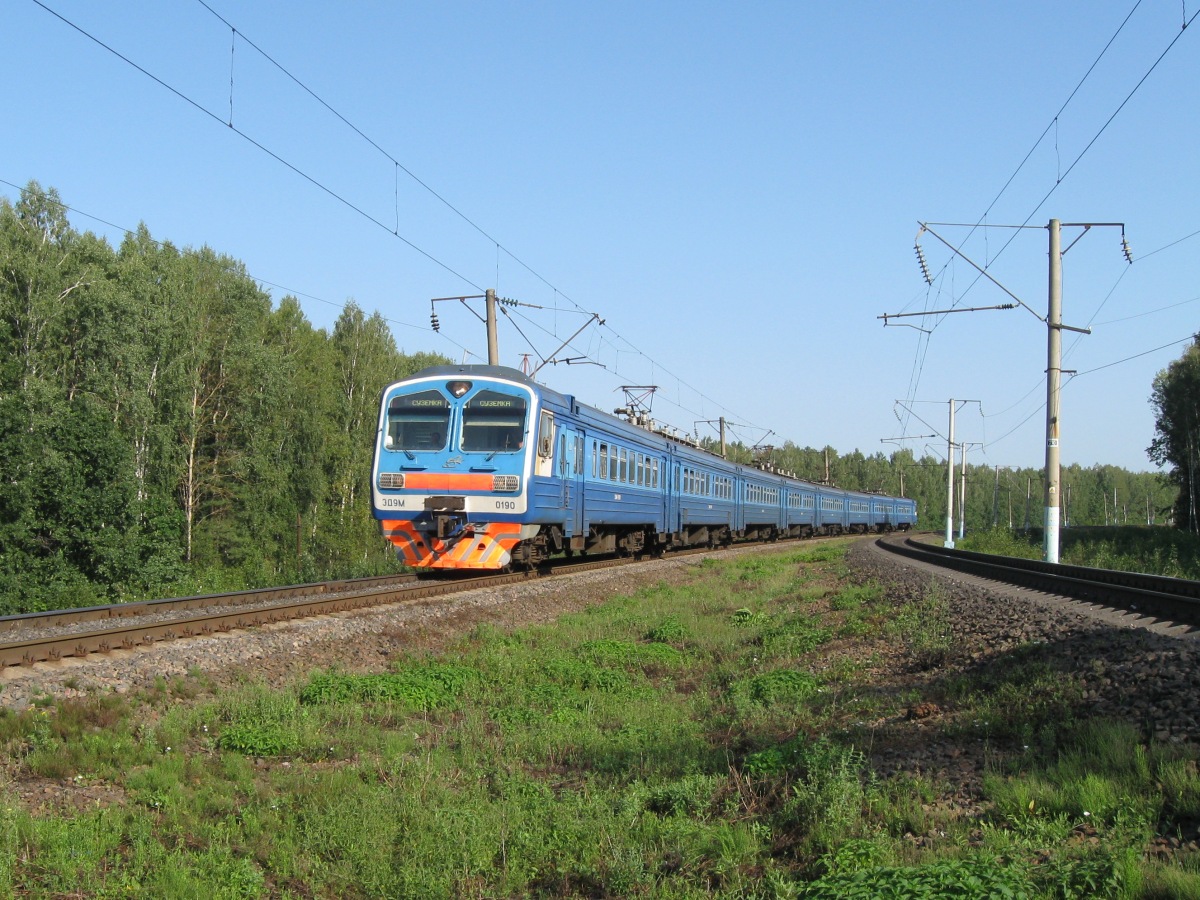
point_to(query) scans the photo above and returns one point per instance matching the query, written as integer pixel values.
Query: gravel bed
(357, 640)
(1131, 667)
(1128, 668)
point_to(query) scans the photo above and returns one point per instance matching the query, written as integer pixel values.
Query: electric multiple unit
(479, 467)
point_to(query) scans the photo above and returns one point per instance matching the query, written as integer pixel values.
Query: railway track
(48, 636)
(1173, 599)
(75, 633)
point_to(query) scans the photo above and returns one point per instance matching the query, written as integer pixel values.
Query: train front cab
(452, 469)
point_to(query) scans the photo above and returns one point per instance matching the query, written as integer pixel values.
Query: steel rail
(58, 617)
(1177, 599)
(127, 636)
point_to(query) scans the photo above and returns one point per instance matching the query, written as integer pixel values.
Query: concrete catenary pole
(962, 494)
(949, 542)
(493, 343)
(1053, 378)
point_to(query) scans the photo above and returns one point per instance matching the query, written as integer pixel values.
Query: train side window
(546, 436)
(654, 469)
(604, 461)
(612, 464)
(578, 455)
(641, 469)
(623, 466)
(593, 459)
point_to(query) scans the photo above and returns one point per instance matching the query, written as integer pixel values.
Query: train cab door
(569, 469)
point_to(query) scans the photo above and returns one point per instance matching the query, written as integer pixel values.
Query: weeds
(924, 629)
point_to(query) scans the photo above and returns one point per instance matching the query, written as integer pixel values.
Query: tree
(1176, 400)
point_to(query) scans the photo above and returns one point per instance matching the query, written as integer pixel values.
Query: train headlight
(506, 483)
(391, 479)
(458, 388)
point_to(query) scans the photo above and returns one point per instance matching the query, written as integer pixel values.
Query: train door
(672, 477)
(664, 489)
(569, 469)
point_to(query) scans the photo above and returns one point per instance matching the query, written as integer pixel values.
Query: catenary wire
(201, 108)
(1076, 161)
(233, 270)
(342, 199)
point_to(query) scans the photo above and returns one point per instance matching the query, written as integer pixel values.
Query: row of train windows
(756, 493)
(705, 484)
(626, 466)
(631, 467)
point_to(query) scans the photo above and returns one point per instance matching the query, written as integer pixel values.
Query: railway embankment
(1125, 666)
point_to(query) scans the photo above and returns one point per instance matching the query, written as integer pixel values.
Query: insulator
(433, 321)
(1126, 250)
(921, 262)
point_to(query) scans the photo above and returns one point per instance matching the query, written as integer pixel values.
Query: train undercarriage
(647, 541)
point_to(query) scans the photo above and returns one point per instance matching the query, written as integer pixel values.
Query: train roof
(482, 371)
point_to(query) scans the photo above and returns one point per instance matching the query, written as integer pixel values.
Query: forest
(166, 429)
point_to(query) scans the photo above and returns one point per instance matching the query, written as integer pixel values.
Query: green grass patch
(422, 687)
(688, 741)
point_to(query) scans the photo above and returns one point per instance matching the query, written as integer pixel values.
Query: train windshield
(418, 422)
(493, 422)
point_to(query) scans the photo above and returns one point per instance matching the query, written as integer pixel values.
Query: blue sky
(733, 188)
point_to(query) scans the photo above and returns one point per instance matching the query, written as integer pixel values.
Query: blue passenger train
(479, 467)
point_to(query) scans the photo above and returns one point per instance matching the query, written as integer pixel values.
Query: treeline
(164, 428)
(1004, 497)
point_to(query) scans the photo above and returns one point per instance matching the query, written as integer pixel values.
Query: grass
(707, 740)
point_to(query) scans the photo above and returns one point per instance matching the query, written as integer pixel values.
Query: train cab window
(417, 422)
(493, 423)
